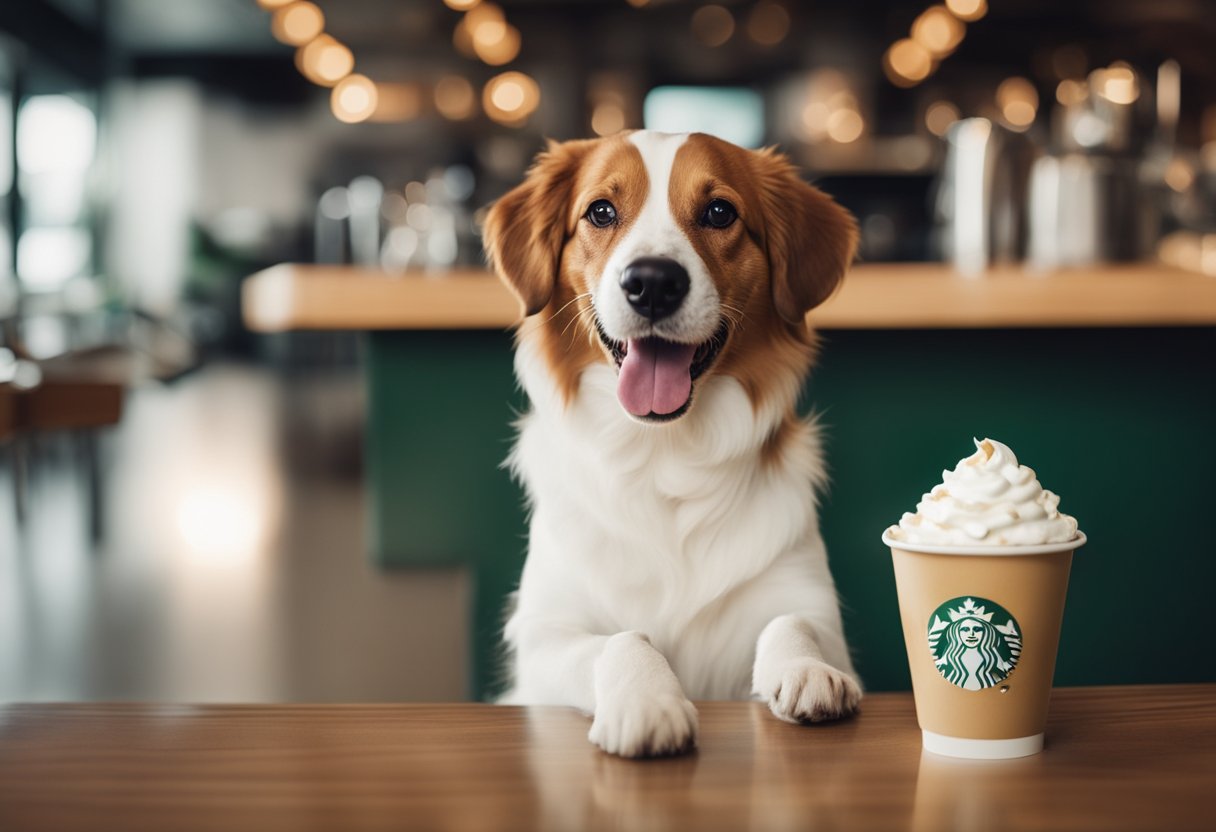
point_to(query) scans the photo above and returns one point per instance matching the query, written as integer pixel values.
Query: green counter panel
(1119, 422)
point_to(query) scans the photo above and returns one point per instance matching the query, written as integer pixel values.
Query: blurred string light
(769, 23)
(1117, 83)
(607, 118)
(1071, 91)
(484, 33)
(845, 125)
(934, 36)
(297, 23)
(609, 103)
(832, 112)
(498, 48)
(939, 116)
(968, 10)
(938, 31)
(713, 25)
(1018, 102)
(324, 60)
(510, 98)
(354, 99)
(1179, 174)
(455, 98)
(907, 63)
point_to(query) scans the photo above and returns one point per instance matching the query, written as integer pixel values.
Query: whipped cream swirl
(990, 500)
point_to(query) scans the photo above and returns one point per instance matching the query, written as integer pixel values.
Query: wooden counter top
(878, 296)
(1133, 758)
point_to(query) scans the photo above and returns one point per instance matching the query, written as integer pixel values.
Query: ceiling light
(907, 63)
(713, 25)
(968, 10)
(354, 99)
(297, 23)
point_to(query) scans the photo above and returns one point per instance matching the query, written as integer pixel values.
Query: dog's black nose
(655, 286)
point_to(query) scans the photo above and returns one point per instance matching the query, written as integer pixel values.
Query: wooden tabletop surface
(1137, 758)
(294, 296)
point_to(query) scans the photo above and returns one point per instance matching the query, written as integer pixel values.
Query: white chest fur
(683, 531)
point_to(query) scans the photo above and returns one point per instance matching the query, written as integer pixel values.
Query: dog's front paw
(644, 726)
(808, 690)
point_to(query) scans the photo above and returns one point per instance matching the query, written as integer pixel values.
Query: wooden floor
(232, 566)
(1117, 759)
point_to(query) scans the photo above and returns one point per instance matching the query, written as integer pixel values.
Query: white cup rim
(983, 551)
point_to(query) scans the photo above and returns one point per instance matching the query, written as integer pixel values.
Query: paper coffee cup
(981, 626)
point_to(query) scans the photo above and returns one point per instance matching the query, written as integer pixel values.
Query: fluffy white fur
(669, 562)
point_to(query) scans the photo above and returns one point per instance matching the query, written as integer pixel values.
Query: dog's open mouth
(655, 377)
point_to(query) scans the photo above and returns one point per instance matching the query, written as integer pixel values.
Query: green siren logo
(969, 650)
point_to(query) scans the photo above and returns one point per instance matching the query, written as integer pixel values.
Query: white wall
(153, 142)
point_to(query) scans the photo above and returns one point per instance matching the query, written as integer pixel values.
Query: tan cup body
(1032, 589)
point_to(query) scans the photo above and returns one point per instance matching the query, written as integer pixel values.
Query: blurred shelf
(874, 296)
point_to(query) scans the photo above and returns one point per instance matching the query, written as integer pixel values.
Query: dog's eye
(719, 214)
(602, 213)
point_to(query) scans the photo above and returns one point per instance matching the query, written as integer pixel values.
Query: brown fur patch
(548, 209)
(810, 240)
(768, 352)
(773, 449)
(524, 231)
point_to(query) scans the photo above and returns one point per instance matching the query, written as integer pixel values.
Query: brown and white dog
(674, 548)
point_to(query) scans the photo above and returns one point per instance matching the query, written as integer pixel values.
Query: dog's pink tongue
(655, 376)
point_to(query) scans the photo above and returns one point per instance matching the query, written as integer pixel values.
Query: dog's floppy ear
(526, 229)
(809, 239)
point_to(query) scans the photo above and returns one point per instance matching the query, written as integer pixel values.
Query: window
(735, 114)
(56, 143)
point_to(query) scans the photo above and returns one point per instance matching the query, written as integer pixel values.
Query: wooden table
(1141, 758)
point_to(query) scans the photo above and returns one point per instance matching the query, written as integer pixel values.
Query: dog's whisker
(565, 305)
(581, 316)
(732, 314)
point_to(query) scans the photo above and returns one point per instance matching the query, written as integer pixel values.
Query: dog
(674, 550)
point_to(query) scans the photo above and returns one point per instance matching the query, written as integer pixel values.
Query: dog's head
(677, 256)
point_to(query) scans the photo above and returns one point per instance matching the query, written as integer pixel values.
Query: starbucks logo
(969, 649)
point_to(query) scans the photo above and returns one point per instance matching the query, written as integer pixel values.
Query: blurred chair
(65, 393)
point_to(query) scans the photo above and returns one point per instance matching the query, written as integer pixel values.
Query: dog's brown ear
(809, 239)
(526, 229)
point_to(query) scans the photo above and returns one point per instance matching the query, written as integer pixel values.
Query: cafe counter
(1104, 379)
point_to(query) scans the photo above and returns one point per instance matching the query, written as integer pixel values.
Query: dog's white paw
(808, 690)
(637, 725)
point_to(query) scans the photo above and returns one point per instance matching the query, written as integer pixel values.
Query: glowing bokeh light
(297, 23)
(968, 10)
(607, 118)
(713, 25)
(354, 99)
(939, 116)
(455, 98)
(769, 23)
(938, 31)
(845, 125)
(324, 61)
(510, 98)
(907, 63)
